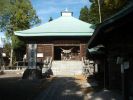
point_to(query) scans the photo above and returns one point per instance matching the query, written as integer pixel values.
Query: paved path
(63, 88)
(57, 88)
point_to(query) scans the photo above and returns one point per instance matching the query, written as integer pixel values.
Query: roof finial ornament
(66, 10)
(67, 13)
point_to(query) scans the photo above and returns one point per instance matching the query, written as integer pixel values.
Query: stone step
(67, 67)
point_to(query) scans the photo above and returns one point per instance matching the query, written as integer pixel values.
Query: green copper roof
(63, 26)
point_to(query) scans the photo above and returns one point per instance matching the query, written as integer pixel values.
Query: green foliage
(3, 6)
(16, 42)
(17, 15)
(22, 15)
(84, 14)
(93, 14)
(114, 4)
(7, 49)
(108, 8)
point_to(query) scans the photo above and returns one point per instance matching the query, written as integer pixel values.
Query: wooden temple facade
(64, 38)
(61, 49)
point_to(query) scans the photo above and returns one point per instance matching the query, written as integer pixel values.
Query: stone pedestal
(32, 74)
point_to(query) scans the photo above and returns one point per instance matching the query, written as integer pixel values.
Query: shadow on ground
(99, 93)
(15, 88)
(64, 88)
(57, 88)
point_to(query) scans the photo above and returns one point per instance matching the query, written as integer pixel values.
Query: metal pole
(99, 9)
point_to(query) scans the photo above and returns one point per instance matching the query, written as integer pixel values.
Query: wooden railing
(39, 65)
(46, 69)
(88, 67)
(20, 64)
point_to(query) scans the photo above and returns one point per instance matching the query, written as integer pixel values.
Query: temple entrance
(57, 53)
(66, 53)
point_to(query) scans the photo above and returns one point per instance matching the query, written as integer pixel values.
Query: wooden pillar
(94, 65)
(109, 73)
(0, 59)
(106, 74)
(83, 50)
(80, 50)
(52, 51)
(125, 81)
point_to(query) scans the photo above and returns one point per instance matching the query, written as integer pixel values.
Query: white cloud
(74, 2)
(40, 4)
(48, 10)
(43, 4)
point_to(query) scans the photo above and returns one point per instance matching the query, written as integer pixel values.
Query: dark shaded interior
(73, 55)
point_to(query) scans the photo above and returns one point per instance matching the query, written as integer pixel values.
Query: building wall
(114, 73)
(46, 47)
(47, 50)
(130, 73)
(43, 51)
(83, 48)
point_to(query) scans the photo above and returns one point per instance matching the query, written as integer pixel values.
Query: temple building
(64, 38)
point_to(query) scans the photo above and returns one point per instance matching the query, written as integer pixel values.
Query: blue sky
(52, 8)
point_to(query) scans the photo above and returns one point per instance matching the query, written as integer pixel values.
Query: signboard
(32, 56)
(39, 54)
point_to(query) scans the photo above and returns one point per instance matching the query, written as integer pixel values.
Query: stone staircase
(67, 67)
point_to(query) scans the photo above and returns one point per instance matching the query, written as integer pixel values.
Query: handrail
(18, 65)
(87, 67)
(48, 62)
(47, 66)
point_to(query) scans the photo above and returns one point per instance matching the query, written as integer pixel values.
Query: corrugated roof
(63, 26)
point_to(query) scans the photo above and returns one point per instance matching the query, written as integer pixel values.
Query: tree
(3, 6)
(94, 13)
(18, 15)
(50, 19)
(84, 14)
(108, 8)
(7, 49)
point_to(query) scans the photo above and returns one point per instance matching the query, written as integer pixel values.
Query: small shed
(115, 34)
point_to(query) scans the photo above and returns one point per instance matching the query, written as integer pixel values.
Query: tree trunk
(99, 9)
(11, 57)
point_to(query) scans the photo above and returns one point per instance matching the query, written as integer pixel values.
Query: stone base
(32, 74)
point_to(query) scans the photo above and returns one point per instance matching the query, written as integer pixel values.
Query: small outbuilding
(116, 37)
